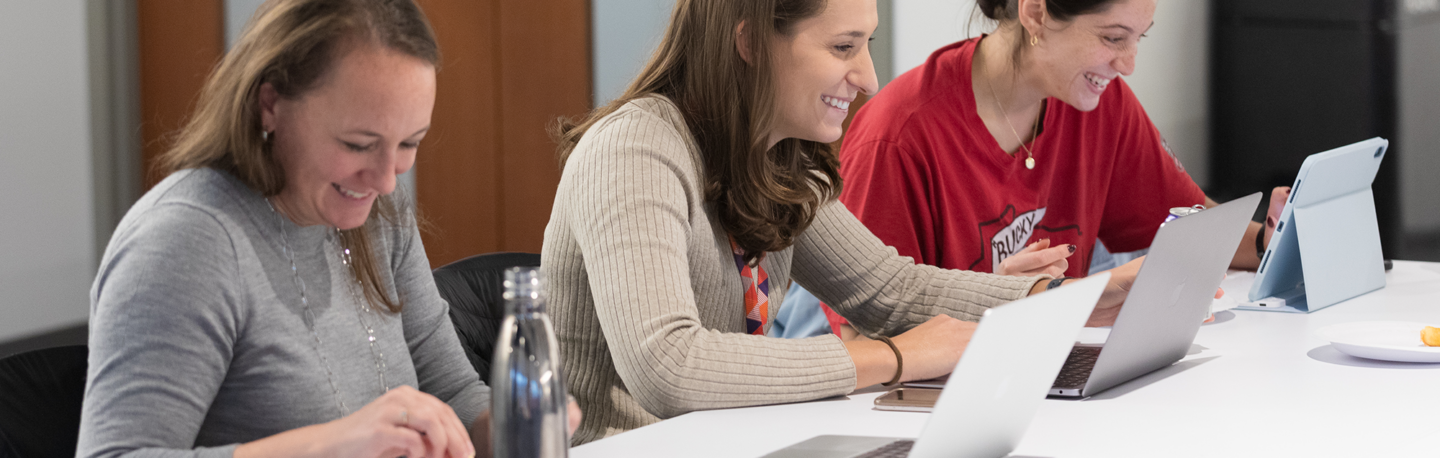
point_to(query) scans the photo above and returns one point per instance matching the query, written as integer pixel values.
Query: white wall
(1170, 78)
(237, 13)
(1172, 74)
(625, 33)
(922, 26)
(47, 247)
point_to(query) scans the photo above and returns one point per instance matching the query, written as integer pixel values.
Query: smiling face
(820, 67)
(1077, 60)
(343, 143)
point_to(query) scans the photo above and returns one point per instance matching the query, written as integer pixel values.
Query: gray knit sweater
(647, 300)
(198, 341)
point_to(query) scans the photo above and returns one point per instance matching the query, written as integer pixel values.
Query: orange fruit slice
(1431, 336)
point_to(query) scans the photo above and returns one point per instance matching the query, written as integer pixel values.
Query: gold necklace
(1029, 161)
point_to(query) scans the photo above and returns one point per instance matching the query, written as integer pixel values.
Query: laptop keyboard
(897, 449)
(1077, 367)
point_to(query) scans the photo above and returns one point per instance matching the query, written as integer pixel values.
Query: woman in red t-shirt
(1011, 154)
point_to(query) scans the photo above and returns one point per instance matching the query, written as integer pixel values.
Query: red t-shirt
(924, 174)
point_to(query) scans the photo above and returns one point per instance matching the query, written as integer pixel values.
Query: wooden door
(487, 172)
(180, 42)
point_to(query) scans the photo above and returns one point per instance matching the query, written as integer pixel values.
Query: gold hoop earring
(1034, 40)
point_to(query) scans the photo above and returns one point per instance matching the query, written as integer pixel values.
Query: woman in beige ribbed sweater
(713, 170)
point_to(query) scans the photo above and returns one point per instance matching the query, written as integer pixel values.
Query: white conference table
(1255, 384)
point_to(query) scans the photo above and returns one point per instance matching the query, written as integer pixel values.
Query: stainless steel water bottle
(528, 397)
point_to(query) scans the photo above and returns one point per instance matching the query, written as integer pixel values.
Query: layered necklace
(375, 353)
(1030, 159)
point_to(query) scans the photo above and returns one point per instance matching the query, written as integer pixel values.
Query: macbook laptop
(1167, 304)
(1330, 217)
(1169, 301)
(997, 386)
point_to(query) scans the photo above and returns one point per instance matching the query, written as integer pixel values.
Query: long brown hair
(765, 196)
(291, 44)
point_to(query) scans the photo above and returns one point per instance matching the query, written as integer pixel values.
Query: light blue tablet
(1326, 247)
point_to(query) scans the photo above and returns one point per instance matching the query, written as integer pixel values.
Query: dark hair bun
(994, 9)
(1063, 10)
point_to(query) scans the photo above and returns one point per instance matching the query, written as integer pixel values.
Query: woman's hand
(934, 347)
(1036, 259)
(572, 414)
(1278, 196)
(1121, 280)
(480, 430)
(930, 350)
(403, 421)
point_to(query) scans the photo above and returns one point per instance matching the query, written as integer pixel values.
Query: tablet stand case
(1326, 248)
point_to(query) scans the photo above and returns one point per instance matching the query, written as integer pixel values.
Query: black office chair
(40, 396)
(473, 286)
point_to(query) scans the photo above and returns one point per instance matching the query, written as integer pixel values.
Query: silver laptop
(998, 384)
(1166, 306)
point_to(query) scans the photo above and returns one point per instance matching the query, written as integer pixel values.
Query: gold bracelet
(899, 361)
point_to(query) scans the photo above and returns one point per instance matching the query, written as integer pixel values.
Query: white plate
(1383, 340)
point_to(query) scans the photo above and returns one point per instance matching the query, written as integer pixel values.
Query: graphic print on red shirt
(1011, 232)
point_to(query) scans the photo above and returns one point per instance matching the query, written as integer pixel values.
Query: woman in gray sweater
(687, 206)
(270, 297)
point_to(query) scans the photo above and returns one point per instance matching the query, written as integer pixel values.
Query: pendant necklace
(1030, 159)
(375, 353)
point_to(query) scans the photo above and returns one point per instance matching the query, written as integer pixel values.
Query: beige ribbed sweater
(647, 300)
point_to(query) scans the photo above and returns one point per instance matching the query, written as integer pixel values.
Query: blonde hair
(291, 44)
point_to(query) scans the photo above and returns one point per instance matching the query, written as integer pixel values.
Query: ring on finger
(404, 417)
